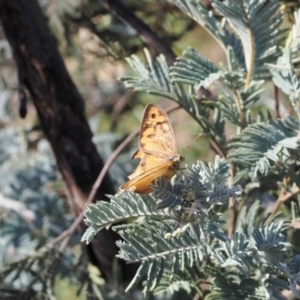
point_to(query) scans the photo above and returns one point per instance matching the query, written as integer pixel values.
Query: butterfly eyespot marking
(153, 116)
(151, 135)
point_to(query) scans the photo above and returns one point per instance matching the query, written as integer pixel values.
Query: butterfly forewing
(157, 136)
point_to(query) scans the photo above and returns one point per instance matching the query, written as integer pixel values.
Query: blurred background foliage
(94, 44)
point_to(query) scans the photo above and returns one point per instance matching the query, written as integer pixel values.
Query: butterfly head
(181, 157)
(176, 159)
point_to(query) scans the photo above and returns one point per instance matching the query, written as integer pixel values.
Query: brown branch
(232, 201)
(217, 148)
(283, 197)
(232, 207)
(146, 34)
(276, 98)
(119, 106)
(150, 38)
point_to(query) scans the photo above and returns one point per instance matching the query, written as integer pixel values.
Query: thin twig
(281, 199)
(232, 207)
(232, 201)
(276, 98)
(216, 147)
(145, 33)
(119, 106)
(239, 106)
(242, 119)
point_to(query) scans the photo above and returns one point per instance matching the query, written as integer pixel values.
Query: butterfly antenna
(185, 149)
(196, 138)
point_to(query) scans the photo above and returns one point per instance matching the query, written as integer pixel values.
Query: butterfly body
(157, 151)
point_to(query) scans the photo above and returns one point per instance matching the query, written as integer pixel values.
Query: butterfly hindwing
(140, 184)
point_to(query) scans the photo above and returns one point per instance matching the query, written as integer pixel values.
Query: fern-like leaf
(292, 270)
(270, 241)
(169, 195)
(103, 214)
(192, 68)
(153, 79)
(232, 286)
(198, 12)
(147, 244)
(173, 281)
(261, 144)
(246, 221)
(247, 97)
(257, 23)
(285, 75)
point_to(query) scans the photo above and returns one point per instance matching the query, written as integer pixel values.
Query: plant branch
(232, 207)
(281, 199)
(232, 201)
(251, 50)
(216, 147)
(146, 34)
(239, 106)
(276, 98)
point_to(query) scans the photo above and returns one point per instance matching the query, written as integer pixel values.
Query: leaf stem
(239, 106)
(232, 201)
(216, 147)
(252, 47)
(232, 207)
(276, 98)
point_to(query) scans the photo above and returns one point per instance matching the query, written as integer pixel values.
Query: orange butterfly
(157, 151)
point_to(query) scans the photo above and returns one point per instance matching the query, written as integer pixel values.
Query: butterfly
(157, 152)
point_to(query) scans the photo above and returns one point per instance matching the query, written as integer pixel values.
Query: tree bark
(60, 108)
